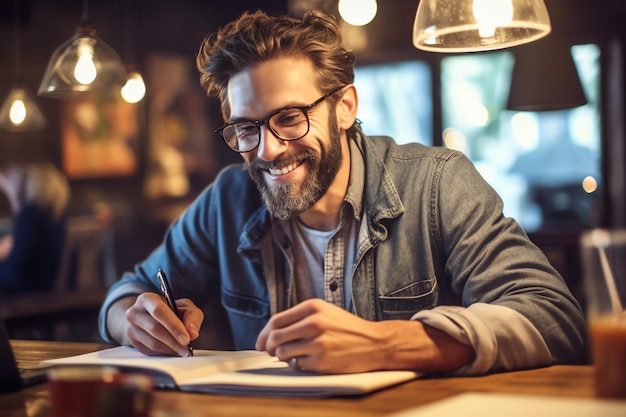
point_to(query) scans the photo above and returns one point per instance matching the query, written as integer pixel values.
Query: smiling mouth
(284, 170)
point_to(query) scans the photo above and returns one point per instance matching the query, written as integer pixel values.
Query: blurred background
(133, 167)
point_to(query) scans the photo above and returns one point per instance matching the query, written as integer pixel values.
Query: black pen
(166, 290)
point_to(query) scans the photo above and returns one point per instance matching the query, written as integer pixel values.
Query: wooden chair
(88, 260)
(69, 312)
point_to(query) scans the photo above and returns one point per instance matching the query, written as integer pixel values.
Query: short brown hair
(257, 37)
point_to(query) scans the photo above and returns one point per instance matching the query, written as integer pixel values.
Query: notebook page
(204, 362)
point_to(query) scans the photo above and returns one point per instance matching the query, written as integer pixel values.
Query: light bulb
(17, 114)
(590, 185)
(85, 70)
(358, 12)
(134, 89)
(490, 14)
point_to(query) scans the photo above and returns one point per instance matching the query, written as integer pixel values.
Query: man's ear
(347, 107)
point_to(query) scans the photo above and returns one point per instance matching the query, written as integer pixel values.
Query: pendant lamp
(19, 112)
(357, 12)
(545, 78)
(478, 25)
(83, 63)
(135, 88)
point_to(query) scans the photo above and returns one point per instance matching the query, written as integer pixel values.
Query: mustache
(259, 164)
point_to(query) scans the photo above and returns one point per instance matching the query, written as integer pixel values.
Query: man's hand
(327, 339)
(147, 323)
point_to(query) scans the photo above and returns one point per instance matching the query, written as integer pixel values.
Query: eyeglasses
(290, 123)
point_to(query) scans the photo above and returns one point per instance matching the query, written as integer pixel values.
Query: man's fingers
(163, 314)
(148, 331)
(192, 317)
(301, 323)
(147, 344)
(152, 315)
(282, 342)
(296, 313)
(275, 324)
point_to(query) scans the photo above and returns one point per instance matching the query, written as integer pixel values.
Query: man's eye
(289, 117)
(246, 128)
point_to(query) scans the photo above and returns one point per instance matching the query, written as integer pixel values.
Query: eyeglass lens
(288, 124)
(291, 123)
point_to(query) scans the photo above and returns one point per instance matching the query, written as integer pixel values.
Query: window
(544, 165)
(395, 99)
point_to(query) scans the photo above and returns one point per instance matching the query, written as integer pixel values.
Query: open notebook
(245, 372)
(12, 376)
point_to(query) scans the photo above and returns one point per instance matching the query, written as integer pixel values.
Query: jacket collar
(378, 201)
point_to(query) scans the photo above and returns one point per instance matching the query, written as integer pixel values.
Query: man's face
(291, 175)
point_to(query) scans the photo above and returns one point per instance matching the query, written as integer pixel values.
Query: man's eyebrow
(240, 119)
(267, 115)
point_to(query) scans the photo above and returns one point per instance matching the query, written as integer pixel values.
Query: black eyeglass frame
(258, 123)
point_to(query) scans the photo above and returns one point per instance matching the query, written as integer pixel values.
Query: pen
(166, 290)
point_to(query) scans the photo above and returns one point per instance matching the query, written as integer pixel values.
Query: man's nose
(270, 146)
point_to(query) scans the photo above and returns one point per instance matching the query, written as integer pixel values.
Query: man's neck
(322, 216)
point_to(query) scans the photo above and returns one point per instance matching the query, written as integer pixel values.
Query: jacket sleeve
(186, 255)
(517, 310)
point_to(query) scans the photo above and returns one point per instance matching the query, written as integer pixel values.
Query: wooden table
(565, 381)
(54, 314)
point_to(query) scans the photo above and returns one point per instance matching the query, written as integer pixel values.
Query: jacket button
(333, 286)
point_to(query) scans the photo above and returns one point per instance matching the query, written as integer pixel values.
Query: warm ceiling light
(82, 63)
(478, 25)
(357, 12)
(19, 112)
(135, 89)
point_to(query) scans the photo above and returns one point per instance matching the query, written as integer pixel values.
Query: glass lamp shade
(83, 63)
(478, 25)
(19, 113)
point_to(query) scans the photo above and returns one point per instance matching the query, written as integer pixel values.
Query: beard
(288, 201)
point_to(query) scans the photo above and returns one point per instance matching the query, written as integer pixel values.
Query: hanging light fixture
(83, 63)
(19, 112)
(478, 25)
(357, 12)
(545, 78)
(135, 88)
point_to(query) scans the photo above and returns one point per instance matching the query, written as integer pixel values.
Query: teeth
(284, 170)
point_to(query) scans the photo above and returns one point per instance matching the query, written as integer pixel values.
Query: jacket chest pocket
(402, 303)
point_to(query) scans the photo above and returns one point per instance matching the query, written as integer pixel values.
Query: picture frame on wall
(99, 137)
(181, 146)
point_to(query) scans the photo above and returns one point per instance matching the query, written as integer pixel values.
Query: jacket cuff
(501, 337)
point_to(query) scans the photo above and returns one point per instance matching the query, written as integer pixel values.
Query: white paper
(246, 372)
(474, 404)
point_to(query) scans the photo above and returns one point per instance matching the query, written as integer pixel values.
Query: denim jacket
(433, 246)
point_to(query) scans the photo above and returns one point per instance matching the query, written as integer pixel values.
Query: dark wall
(139, 29)
(136, 30)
